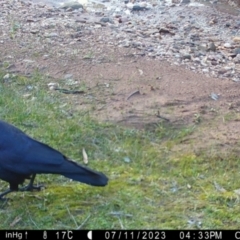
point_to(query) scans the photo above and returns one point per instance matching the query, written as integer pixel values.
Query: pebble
(182, 32)
(237, 51)
(138, 8)
(236, 39)
(72, 5)
(227, 45)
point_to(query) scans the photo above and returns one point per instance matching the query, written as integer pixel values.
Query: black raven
(22, 157)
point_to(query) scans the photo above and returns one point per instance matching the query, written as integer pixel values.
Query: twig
(84, 222)
(158, 115)
(133, 93)
(66, 91)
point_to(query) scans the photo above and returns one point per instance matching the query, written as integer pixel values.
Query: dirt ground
(136, 91)
(119, 85)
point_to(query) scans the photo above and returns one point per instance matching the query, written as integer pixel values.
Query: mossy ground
(151, 186)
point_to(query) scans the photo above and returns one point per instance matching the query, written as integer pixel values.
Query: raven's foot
(5, 193)
(31, 187)
(3, 199)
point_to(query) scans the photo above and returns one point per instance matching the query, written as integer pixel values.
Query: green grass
(150, 187)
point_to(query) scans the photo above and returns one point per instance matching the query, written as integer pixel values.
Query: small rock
(127, 12)
(151, 31)
(237, 51)
(7, 76)
(30, 20)
(72, 5)
(196, 4)
(29, 87)
(227, 45)
(34, 31)
(214, 96)
(52, 85)
(105, 19)
(205, 70)
(186, 56)
(236, 39)
(68, 76)
(235, 79)
(202, 47)
(211, 47)
(214, 62)
(185, 1)
(52, 35)
(222, 71)
(126, 159)
(27, 95)
(138, 8)
(237, 59)
(129, 5)
(125, 43)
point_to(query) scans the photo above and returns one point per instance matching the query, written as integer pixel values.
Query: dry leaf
(140, 71)
(219, 188)
(15, 221)
(85, 157)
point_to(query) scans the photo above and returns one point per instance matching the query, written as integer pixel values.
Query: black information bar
(119, 234)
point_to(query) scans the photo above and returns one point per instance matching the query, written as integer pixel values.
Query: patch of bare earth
(136, 91)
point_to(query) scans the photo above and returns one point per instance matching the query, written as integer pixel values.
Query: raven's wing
(22, 154)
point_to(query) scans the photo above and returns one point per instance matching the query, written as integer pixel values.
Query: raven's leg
(5, 193)
(30, 186)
